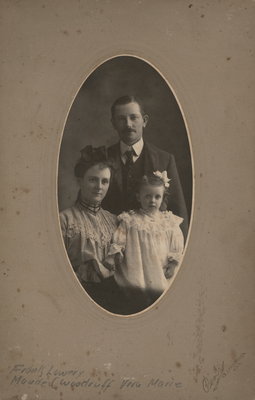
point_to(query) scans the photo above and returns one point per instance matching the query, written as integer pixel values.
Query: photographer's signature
(220, 371)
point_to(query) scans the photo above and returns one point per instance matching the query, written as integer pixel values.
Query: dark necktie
(129, 157)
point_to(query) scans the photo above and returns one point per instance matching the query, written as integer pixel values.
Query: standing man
(133, 157)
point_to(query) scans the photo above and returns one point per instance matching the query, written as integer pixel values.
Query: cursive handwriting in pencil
(220, 371)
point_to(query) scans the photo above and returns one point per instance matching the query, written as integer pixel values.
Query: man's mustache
(128, 130)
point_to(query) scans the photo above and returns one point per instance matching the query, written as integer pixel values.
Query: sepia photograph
(125, 185)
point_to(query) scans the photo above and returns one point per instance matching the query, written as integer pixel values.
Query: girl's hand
(170, 267)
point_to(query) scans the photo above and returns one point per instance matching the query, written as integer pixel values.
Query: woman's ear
(79, 181)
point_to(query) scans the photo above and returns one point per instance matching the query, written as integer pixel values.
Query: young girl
(147, 245)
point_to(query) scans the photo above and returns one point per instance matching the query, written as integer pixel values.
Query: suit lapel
(118, 166)
(149, 159)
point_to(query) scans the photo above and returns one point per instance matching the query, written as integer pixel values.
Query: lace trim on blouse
(97, 227)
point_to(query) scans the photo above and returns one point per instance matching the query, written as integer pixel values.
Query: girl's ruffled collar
(161, 222)
(152, 217)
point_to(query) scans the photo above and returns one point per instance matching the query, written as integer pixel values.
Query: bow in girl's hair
(163, 176)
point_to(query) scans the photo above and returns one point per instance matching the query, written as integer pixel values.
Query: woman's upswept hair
(91, 156)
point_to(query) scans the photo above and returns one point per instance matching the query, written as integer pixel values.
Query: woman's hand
(112, 262)
(118, 259)
(109, 266)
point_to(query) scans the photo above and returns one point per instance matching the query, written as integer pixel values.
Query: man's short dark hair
(126, 100)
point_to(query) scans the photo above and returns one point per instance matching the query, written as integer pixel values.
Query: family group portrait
(125, 185)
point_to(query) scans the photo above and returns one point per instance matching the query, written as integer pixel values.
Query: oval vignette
(89, 123)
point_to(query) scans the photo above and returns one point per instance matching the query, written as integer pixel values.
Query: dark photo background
(89, 120)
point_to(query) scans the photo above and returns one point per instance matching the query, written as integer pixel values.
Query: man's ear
(138, 197)
(113, 123)
(145, 120)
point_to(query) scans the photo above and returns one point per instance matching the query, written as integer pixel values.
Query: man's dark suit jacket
(155, 159)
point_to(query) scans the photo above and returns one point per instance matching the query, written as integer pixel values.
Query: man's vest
(131, 176)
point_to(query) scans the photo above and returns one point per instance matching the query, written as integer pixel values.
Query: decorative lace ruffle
(163, 221)
(97, 227)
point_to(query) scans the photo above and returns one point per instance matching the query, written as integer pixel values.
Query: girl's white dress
(144, 244)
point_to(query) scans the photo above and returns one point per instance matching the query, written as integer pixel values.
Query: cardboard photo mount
(198, 341)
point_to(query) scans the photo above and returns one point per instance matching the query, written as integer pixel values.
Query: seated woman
(87, 229)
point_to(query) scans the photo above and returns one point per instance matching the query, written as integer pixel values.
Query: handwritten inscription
(53, 377)
(151, 383)
(43, 375)
(220, 371)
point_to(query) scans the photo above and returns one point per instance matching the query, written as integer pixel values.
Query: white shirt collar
(137, 147)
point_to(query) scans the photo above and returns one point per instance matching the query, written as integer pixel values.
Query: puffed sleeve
(64, 226)
(176, 244)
